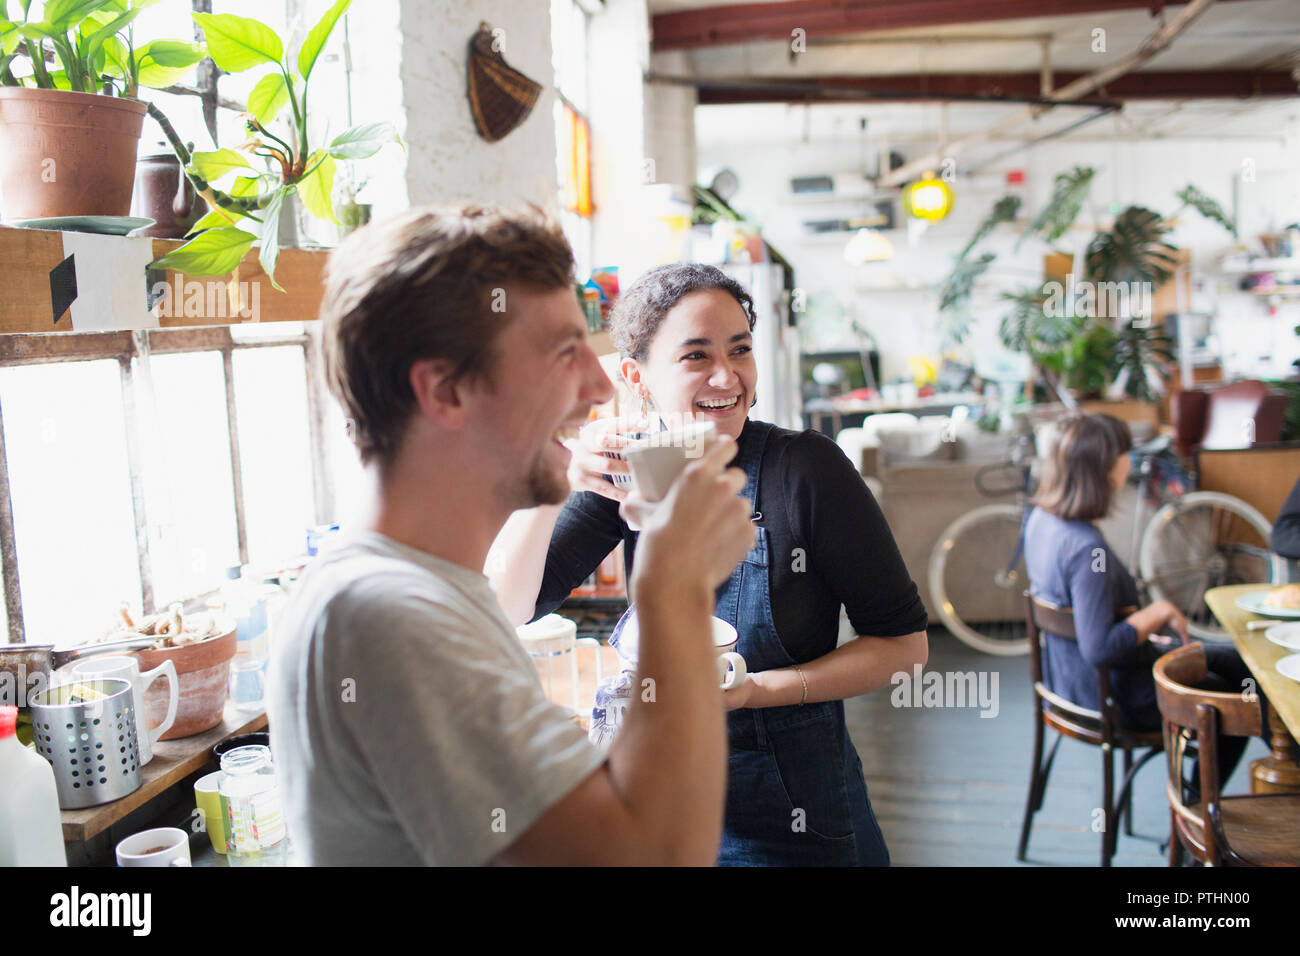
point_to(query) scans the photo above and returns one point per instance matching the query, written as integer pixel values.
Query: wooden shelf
(173, 761)
(79, 282)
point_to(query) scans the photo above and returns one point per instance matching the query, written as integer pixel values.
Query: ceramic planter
(165, 195)
(204, 671)
(66, 154)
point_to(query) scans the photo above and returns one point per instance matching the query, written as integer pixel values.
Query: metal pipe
(135, 465)
(321, 478)
(236, 471)
(1045, 70)
(13, 596)
(920, 40)
(796, 89)
(1152, 45)
(1103, 111)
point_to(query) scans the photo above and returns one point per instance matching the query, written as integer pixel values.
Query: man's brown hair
(430, 283)
(1076, 480)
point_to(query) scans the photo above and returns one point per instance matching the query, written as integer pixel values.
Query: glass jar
(250, 805)
(247, 684)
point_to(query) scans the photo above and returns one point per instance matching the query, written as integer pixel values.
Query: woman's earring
(645, 405)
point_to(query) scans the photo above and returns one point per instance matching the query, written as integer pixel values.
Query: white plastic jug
(31, 830)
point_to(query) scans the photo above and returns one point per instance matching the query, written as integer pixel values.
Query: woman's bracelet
(805, 686)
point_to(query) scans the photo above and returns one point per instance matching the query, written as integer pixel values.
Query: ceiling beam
(1019, 87)
(1152, 46)
(746, 22)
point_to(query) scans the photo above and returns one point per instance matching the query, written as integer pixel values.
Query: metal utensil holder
(91, 744)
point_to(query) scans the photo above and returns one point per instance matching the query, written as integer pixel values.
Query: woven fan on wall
(500, 97)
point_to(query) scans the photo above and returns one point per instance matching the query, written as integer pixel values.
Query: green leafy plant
(1069, 191)
(1291, 418)
(1206, 206)
(955, 293)
(1031, 327)
(1004, 210)
(1133, 250)
(289, 165)
(1083, 353)
(709, 208)
(1085, 363)
(1141, 356)
(92, 42)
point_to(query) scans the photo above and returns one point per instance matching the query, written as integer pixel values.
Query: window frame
(132, 350)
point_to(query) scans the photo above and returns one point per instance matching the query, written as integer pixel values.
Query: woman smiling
(796, 792)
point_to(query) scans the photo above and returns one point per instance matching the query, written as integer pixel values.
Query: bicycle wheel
(978, 600)
(1205, 540)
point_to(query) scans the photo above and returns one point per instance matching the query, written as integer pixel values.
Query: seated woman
(1286, 533)
(1071, 565)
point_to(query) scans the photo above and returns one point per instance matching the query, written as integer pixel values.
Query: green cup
(208, 802)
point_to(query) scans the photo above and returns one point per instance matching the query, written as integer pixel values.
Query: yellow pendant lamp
(928, 198)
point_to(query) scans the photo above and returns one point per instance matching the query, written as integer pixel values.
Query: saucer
(100, 225)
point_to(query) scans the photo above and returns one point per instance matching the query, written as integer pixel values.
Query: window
(141, 465)
(70, 488)
(191, 497)
(128, 482)
(572, 130)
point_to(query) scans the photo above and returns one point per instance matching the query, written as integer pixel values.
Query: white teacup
(656, 461)
(125, 668)
(165, 846)
(731, 666)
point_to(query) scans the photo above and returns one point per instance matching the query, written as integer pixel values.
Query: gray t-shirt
(408, 724)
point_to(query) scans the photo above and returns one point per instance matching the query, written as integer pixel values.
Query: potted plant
(289, 166)
(1080, 349)
(69, 125)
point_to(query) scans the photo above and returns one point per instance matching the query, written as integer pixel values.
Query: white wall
(670, 121)
(618, 51)
(906, 322)
(448, 161)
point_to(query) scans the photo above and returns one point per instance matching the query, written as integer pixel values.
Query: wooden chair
(1102, 728)
(1245, 830)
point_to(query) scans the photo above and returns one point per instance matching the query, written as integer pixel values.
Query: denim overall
(796, 795)
(795, 791)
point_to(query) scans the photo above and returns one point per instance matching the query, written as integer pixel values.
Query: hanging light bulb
(867, 245)
(928, 198)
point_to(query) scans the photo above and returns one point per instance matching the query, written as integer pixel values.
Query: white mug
(656, 461)
(165, 846)
(731, 666)
(126, 668)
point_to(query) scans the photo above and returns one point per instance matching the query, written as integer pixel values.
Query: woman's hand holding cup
(591, 462)
(699, 533)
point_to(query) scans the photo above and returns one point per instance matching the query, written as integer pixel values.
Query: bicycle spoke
(977, 601)
(1164, 573)
(1192, 547)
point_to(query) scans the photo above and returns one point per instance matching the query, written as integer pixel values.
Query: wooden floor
(948, 786)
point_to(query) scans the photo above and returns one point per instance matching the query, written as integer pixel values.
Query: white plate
(1288, 635)
(1289, 667)
(1254, 602)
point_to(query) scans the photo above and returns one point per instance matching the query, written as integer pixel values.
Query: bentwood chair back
(1102, 728)
(1245, 830)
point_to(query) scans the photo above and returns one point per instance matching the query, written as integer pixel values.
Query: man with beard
(407, 721)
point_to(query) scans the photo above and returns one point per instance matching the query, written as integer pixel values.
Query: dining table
(1279, 772)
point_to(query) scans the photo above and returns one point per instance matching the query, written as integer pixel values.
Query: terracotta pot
(204, 671)
(166, 196)
(66, 154)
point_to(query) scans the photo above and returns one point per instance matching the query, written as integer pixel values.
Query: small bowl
(261, 738)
